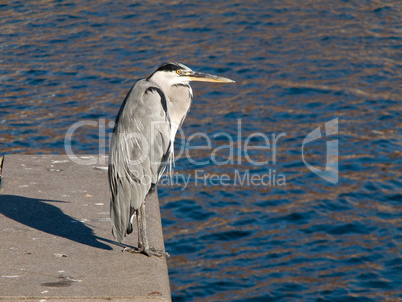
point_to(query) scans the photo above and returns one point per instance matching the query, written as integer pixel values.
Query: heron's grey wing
(140, 142)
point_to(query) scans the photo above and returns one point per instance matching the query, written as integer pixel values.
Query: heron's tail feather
(120, 209)
(127, 196)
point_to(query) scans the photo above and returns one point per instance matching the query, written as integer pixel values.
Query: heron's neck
(179, 102)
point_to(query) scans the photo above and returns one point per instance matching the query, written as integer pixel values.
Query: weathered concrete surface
(55, 236)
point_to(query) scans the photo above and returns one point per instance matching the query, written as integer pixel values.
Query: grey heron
(142, 144)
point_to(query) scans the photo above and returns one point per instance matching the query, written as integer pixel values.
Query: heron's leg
(141, 224)
(142, 236)
(140, 245)
(143, 245)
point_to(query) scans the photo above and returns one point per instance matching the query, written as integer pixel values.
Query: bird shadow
(43, 216)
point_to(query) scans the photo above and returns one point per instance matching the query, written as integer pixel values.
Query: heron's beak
(205, 77)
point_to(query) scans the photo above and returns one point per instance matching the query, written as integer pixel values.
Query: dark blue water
(241, 223)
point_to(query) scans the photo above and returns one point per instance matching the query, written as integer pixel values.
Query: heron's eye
(178, 71)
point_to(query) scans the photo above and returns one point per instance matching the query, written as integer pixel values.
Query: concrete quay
(56, 241)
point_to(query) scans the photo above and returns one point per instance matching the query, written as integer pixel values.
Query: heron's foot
(130, 250)
(151, 251)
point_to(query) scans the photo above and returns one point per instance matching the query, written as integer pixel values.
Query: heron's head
(169, 74)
